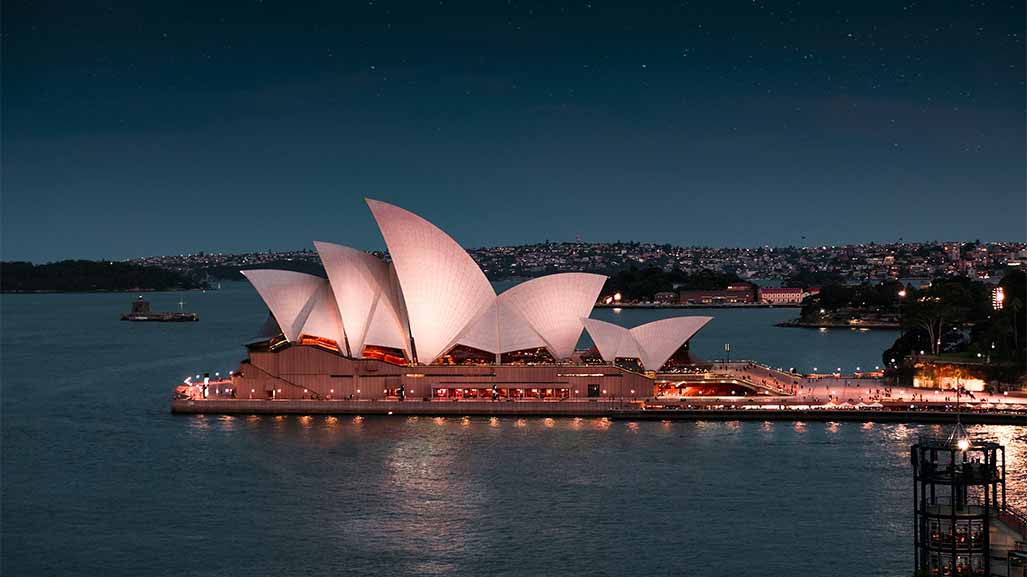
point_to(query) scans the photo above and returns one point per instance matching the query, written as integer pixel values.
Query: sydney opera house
(429, 325)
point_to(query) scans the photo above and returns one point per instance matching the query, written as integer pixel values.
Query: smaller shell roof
(652, 343)
(301, 303)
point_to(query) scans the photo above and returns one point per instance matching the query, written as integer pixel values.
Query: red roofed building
(781, 296)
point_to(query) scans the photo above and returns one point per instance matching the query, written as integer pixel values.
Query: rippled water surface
(99, 479)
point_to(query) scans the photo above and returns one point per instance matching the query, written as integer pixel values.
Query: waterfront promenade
(787, 396)
(868, 387)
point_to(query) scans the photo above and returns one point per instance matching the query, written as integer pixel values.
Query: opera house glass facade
(429, 324)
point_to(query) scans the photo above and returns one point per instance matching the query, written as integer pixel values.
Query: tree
(945, 304)
(83, 275)
(805, 279)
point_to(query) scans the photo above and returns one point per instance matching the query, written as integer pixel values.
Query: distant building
(734, 294)
(998, 298)
(781, 296)
(666, 297)
(933, 373)
(952, 251)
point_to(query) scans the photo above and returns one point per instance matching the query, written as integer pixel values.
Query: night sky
(143, 128)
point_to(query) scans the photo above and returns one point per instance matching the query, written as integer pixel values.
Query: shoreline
(796, 324)
(104, 291)
(697, 306)
(613, 410)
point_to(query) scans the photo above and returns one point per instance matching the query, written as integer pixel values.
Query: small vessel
(141, 312)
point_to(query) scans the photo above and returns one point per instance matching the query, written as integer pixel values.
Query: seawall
(609, 409)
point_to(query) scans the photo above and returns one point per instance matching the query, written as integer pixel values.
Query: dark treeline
(955, 316)
(880, 298)
(87, 275)
(642, 284)
(806, 279)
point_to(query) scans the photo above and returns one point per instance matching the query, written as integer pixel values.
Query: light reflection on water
(752, 335)
(1013, 438)
(424, 496)
(102, 480)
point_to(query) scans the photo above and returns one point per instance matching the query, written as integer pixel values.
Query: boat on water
(141, 312)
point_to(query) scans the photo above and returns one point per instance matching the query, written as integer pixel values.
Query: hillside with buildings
(850, 263)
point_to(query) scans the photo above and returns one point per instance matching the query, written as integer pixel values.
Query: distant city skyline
(147, 129)
(868, 261)
(628, 241)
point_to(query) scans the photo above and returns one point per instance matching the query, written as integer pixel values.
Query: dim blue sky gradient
(143, 128)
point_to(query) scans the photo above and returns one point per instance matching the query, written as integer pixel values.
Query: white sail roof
(629, 348)
(483, 332)
(652, 343)
(658, 340)
(554, 305)
(360, 281)
(300, 303)
(388, 326)
(607, 338)
(516, 333)
(500, 329)
(323, 317)
(443, 288)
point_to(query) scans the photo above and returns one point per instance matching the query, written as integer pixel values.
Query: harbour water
(752, 335)
(99, 478)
